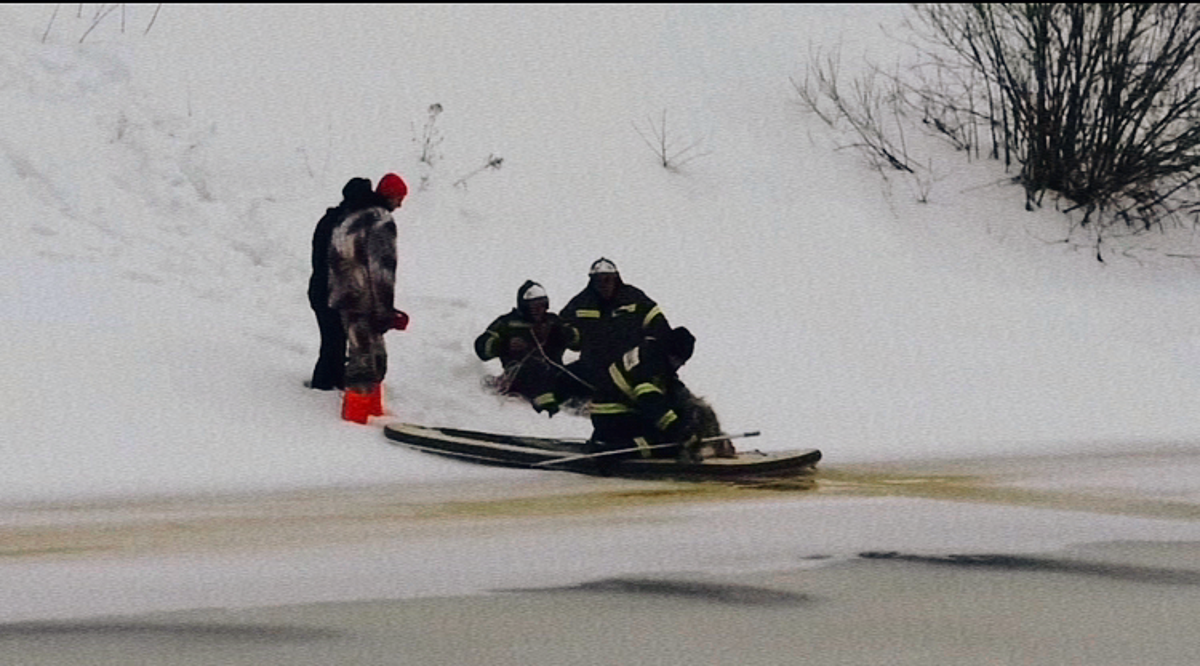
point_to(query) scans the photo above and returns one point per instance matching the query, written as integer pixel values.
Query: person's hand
(399, 320)
(678, 431)
(517, 346)
(557, 337)
(689, 450)
(689, 442)
(381, 323)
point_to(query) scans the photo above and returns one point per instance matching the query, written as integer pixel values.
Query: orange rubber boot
(375, 400)
(356, 405)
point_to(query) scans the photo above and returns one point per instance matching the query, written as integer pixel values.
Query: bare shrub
(100, 13)
(1097, 102)
(863, 107)
(492, 163)
(671, 152)
(431, 137)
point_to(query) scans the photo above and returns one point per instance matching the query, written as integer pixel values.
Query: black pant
(330, 371)
(631, 429)
(577, 381)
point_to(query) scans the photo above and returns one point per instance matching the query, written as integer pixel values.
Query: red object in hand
(400, 320)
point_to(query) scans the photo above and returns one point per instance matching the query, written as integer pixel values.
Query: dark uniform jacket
(609, 329)
(635, 400)
(534, 371)
(494, 342)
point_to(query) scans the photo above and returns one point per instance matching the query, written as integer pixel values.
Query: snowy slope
(161, 191)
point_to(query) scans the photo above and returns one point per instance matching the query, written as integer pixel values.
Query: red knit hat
(393, 186)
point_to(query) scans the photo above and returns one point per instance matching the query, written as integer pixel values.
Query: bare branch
(153, 18)
(493, 162)
(664, 145)
(49, 25)
(1099, 102)
(101, 13)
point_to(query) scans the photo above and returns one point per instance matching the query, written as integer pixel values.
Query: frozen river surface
(1005, 561)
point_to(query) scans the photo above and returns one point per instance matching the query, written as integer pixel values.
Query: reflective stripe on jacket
(636, 383)
(608, 329)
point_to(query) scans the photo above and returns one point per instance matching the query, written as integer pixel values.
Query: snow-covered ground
(161, 188)
(974, 385)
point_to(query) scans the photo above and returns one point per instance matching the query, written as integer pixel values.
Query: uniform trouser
(629, 430)
(366, 356)
(576, 381)
(330, 370)
(541, 383)
(532, 380)
(616, 427)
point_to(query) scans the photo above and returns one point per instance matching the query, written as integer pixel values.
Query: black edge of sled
(541, 452)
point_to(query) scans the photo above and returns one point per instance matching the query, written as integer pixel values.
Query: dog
(701, 420)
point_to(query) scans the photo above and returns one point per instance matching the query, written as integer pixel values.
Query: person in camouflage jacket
(362, 279)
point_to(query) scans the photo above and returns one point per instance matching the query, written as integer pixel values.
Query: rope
(509, 373)
(560, 366)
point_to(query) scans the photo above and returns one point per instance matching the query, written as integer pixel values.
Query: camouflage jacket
(362, 264)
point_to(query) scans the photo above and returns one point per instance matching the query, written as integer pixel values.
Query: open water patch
(1022, 563)
(160, 631)
(720, 593)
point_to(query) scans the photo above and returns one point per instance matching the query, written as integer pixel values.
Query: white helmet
(534, 290)
(602, 265)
